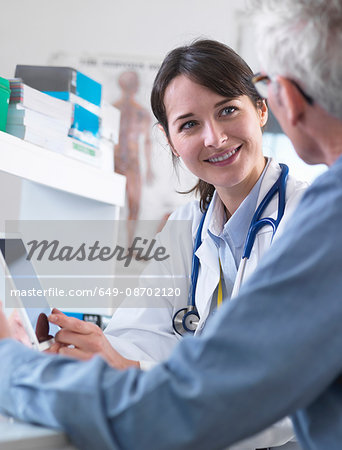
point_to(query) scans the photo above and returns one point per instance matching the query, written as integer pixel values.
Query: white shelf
(37, 164)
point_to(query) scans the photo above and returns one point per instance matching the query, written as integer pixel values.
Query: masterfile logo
(53, 250)
(94, 264)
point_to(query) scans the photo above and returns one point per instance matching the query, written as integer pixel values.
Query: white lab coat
(147, 335)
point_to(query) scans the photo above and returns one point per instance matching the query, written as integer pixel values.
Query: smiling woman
(212, 116)
(213, 68)
(219, 139)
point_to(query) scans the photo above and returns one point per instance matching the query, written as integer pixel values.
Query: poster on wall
(142, 153)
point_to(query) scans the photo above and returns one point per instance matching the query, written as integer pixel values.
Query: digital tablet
(24, 283)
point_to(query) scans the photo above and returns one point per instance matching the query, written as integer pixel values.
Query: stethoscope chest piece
(186, 320)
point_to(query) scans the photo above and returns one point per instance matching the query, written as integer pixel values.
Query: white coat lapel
(209, 271)
(209, 276)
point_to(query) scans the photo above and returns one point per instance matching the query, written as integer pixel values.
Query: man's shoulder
(322, 199)
(329, 182)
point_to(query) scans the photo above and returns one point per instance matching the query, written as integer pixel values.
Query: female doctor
(212, 117)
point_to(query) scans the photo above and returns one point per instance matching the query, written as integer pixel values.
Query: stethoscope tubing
(257, 223)
(185, 320)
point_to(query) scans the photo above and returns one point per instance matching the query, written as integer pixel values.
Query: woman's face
(219, 139)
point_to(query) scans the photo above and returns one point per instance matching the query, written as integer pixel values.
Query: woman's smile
(224, 158)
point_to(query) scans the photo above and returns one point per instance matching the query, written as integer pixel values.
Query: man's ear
(161, 128)
(292, 100)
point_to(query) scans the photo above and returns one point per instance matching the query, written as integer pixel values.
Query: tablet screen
(25, 280)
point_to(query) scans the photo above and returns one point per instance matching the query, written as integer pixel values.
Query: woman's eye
(188, 125)
(227, 110)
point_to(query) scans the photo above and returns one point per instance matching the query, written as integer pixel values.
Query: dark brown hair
(210, 64)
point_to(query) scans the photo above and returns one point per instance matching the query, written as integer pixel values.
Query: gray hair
(302, 40)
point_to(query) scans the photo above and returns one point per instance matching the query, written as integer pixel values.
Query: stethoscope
(186, 319)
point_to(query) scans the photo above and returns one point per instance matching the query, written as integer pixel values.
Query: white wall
(33, 30)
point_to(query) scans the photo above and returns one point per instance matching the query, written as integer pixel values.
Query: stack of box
(37, 117)
(5, 93)
(84, 94)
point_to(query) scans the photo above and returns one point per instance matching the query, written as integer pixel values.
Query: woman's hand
(82, 340)
(17, 329)
(5, 331)
(19, 333)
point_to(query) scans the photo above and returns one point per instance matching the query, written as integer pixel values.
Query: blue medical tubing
(257, 223)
